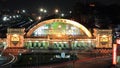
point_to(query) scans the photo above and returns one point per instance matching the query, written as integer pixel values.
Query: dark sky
(48, 4)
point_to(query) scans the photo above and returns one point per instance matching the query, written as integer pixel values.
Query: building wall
(103, 38)
(15, 37)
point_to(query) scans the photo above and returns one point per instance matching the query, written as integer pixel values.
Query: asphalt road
(85, 61)
(98, 62)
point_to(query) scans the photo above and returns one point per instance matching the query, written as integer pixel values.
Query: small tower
(15, 37)
(104, 38)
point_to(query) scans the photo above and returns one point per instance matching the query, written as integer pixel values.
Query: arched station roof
(71, 22)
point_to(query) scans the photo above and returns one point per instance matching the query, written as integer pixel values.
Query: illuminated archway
(86, 31)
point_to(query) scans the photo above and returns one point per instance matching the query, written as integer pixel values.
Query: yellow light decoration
(58, 20)
(104, 38)
(15, 37)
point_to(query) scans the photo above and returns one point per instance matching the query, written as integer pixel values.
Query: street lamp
(4, 18)
(56, 11)
(62, 15)
(45, 11)
(39, 18)
(41, 10)
(23, 11)
(70, 12)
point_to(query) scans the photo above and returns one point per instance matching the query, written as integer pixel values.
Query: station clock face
(15, 39)
(104, 39)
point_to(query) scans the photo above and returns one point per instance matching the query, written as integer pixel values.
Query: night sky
(35, 4)
(48, 4)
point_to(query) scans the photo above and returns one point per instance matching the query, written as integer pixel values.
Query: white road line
(10, 61)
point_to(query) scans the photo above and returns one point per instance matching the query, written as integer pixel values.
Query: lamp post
(62, 14)
(39, 18)
(43, 12)
(41, 9)
(56, 11)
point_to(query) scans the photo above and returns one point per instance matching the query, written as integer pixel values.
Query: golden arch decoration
(87, 32)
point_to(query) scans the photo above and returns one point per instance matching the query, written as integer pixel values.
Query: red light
(118, 41)
(114, 54)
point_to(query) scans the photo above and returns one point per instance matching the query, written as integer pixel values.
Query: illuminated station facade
(56, 34)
